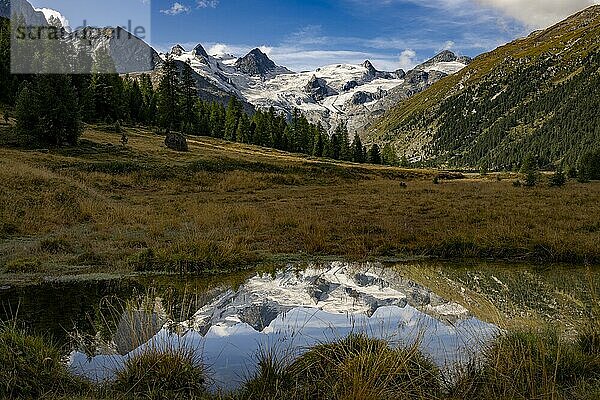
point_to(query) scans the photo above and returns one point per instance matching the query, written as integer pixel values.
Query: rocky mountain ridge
(331, 94)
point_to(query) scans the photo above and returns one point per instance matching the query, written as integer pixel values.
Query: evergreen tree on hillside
(243, 129)
(149, 109)
(335, 148)
(319, 144)
(232, 117)
(357, 150)
(389, 156)
(404, 163)
(48, 110)
(189, 96)
(6, 80)
(589, 166)
(168, 95)
(202, 110)
(344, 142)
(529, 167)
(106, 89)
(217, 120)
(375, 154)
(134, 100)
(26, 111)
(558, 179)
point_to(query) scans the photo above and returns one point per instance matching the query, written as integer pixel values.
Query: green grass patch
(356, 367)
(31, 367)
(162, 374)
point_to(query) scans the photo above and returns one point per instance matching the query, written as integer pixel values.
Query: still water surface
(451, 310)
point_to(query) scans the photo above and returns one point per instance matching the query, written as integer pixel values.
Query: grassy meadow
(102, 207)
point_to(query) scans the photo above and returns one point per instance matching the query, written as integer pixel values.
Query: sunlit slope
(538, 94)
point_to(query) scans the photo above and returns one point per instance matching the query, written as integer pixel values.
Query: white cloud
(449, 45)
(207, 3)
(408, 59)
(176, 9)
(532, 13)
(48, 12)
(219, 49)
(539, 13)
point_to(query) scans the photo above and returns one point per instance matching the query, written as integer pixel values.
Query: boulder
(176, 141)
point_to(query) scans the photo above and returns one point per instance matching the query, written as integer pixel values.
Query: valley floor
(102, 208)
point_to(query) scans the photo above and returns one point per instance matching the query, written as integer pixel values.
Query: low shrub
(55, 246)
(558, 179)
(588, 339)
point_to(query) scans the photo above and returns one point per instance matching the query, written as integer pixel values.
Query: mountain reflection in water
(294, 309)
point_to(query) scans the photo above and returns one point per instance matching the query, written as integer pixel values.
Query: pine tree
(589, 166)
(336, 146)
(558, 179)
(26, 111)
(375, 154)
(8, 92)
(168, 95)
(232, 117)
(189, 96)
(243, 129)
(135, 101)
(389, 156)
(529, 168)
(106, 89)
(345, 151)
(319, 145)
(404, 163)
(357, 150)
(48, 110)
(149, 98)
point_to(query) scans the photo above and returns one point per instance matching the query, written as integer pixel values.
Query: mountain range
(331, 94)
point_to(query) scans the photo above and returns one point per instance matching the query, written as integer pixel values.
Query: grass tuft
(356, 367)
(529, 365)
(162, 374)
(31, 367)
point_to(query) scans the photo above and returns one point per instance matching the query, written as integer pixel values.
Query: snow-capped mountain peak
(257, 63)
(177, 50)
(199, 51)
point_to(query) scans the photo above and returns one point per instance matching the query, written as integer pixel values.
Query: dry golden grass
(95, 207)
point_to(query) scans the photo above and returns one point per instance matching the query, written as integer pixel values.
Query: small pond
(451, 310)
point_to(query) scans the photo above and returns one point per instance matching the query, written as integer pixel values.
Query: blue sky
(305, 34)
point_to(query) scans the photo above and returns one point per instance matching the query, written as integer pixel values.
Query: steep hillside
(537, 95)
